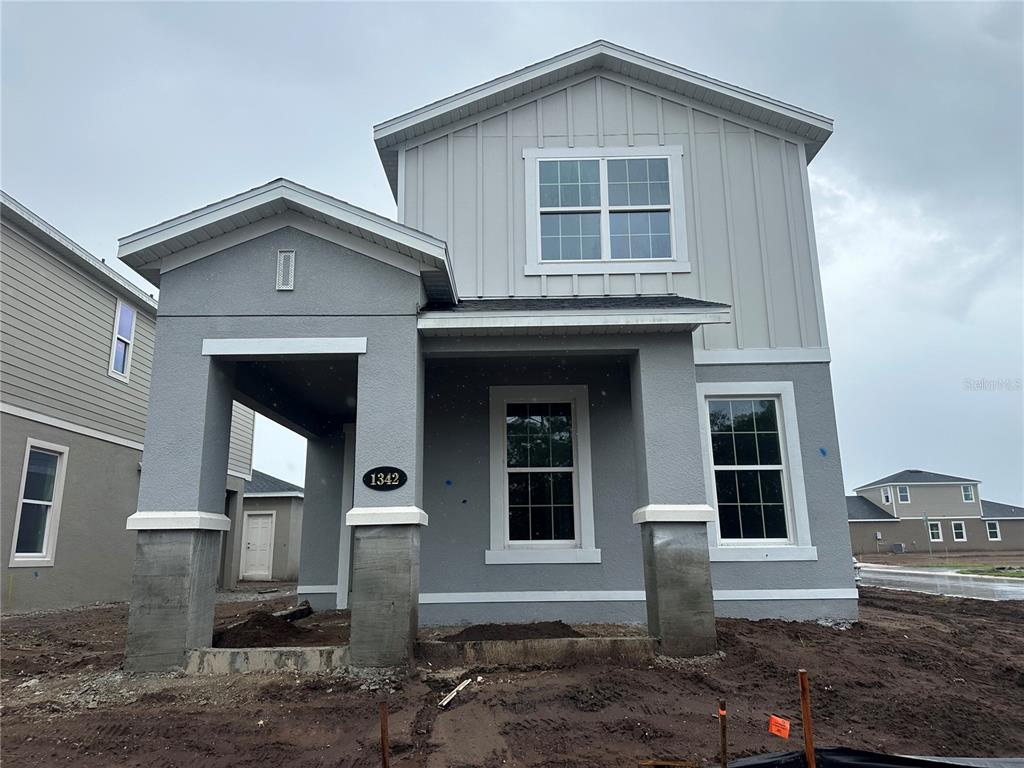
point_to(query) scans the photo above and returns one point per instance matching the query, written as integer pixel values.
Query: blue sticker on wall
(823, 451)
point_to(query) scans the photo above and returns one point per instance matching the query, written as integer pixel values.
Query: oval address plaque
(385, 478)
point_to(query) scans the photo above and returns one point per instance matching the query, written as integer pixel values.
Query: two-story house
(76, 353)
(583, 376)
(919, 511)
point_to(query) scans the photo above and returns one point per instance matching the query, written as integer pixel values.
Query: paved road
(939, 582)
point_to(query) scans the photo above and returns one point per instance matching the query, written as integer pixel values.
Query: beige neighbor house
(271, 529)
(919, 511)
(76, 351)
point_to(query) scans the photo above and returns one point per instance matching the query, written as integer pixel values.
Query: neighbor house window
(992, 529)
(959, 530)
(934, 531)
(38, 512)
(541, 497)
(886, 495)
(968, 492)
(903, 494)
(124, 341)
(611, 210)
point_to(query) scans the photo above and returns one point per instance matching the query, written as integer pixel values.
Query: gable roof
(917, 477)
(145, 249)
(263, 484)
(994, 510)
(859, 508)
(57, 241)
(600, 54)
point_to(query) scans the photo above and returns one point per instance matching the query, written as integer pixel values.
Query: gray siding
(932, 500)
(287, 533)
(913, 534)
(243, 421)
(748, 218)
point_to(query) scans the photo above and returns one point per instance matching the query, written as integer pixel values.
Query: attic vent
(285, 270)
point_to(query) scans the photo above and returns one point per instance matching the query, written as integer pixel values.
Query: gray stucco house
(584, 375)
(76, 352)
(271, 529)
(919, 511)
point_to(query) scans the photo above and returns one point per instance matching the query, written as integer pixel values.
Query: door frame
(243, 575)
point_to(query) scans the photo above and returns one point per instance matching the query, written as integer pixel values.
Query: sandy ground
(947, 560)
(918, 675)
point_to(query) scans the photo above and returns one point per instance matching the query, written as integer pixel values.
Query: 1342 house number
(384, 478)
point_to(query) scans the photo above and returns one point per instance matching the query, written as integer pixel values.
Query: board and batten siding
(56, 332)
(749, 231)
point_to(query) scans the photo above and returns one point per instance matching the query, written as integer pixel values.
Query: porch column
(673, 511)
(181, 504)
(386, 519)
(323, 517)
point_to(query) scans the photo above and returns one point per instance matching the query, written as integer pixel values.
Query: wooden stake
(385, 755)
(805, 709)
(721, 723)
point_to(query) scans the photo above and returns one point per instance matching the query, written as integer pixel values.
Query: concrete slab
(537, 652)
(225, 661)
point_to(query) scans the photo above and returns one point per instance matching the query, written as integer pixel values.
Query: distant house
(919, 511)
(271, 529)
(76, 351)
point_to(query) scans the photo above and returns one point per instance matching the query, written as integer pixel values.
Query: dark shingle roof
(263, 483)
(913, 476)
(576, 303)
(993, 509)
(859, 508)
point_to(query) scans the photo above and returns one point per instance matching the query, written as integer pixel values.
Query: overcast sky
(117, 116)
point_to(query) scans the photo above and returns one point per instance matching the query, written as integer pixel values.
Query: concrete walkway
(935, 581)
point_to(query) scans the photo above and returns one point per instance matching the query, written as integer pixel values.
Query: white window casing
(903, 494)
(992, 530)
(967, 491)
(959, 530)
(679, 262)
(45, 555)
(504, 551)
(797, 545)
(286, 270)
(122, 342)
(886, 495)
(934, 530)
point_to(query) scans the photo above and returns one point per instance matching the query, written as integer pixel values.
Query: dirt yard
(946, 559)
(918, 675)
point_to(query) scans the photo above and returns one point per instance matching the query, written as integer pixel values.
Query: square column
(673, 512)
(386, 518)
(181, 504)
(323, 518)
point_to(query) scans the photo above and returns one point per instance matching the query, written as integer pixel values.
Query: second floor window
(123, 341)
(886, 495)
(968, 493)
(903, 494)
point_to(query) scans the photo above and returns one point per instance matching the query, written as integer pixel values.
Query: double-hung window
(123, 342)
(959, 530)
(38, 512)
(542, 508)
(934, 531)
(886, 495)
(605, 210)
(992, 529)
(903, 494)
(967, 491)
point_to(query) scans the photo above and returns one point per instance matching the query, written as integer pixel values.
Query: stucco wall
(914, 535)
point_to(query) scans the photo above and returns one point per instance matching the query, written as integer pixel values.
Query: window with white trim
(992, 529)
(934, 530)
(605, 210)
(38, 512)
(959, 530)
(903, 494)
(286, 270)
(123, 343)
(886, 495)
(967, 491)
(540, 471)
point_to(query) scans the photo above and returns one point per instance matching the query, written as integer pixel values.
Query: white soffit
(569, 322)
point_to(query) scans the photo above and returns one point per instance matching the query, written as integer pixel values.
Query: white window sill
(606, 267)
(771, 554)
(31, 562)
(523, 556)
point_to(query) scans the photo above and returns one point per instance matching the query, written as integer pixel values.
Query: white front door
(258, 545)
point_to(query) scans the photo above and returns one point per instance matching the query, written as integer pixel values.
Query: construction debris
(452, 695)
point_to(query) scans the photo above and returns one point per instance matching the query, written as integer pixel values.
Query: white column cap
(675, 513)
(386, 516)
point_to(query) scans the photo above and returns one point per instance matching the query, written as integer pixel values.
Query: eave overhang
(146, 250)
(812, 128)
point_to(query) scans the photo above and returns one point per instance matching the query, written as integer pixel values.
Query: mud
(918, 675)
(537, 630)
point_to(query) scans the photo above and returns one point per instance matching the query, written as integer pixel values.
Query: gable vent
(285, 270)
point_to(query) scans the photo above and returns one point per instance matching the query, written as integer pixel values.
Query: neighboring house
(584, 376)
(76, 352)
(271, 529)
(919, 511)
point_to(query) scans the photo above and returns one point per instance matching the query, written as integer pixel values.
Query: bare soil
(536, 630)
(919, 674)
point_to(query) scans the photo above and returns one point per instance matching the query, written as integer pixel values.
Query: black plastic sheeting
(839, 757)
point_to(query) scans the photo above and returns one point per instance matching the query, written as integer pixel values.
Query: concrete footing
(554, 652)
(677, 579)
(226, 661)
(173, 592)
(385, 594)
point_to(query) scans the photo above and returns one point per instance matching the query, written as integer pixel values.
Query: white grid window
(886, 495)
(903, 494)
(38, 512)
(123, 343)
(992, 529)
(959, 530)
(285, 270)
(934, 531)
(968, 493)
